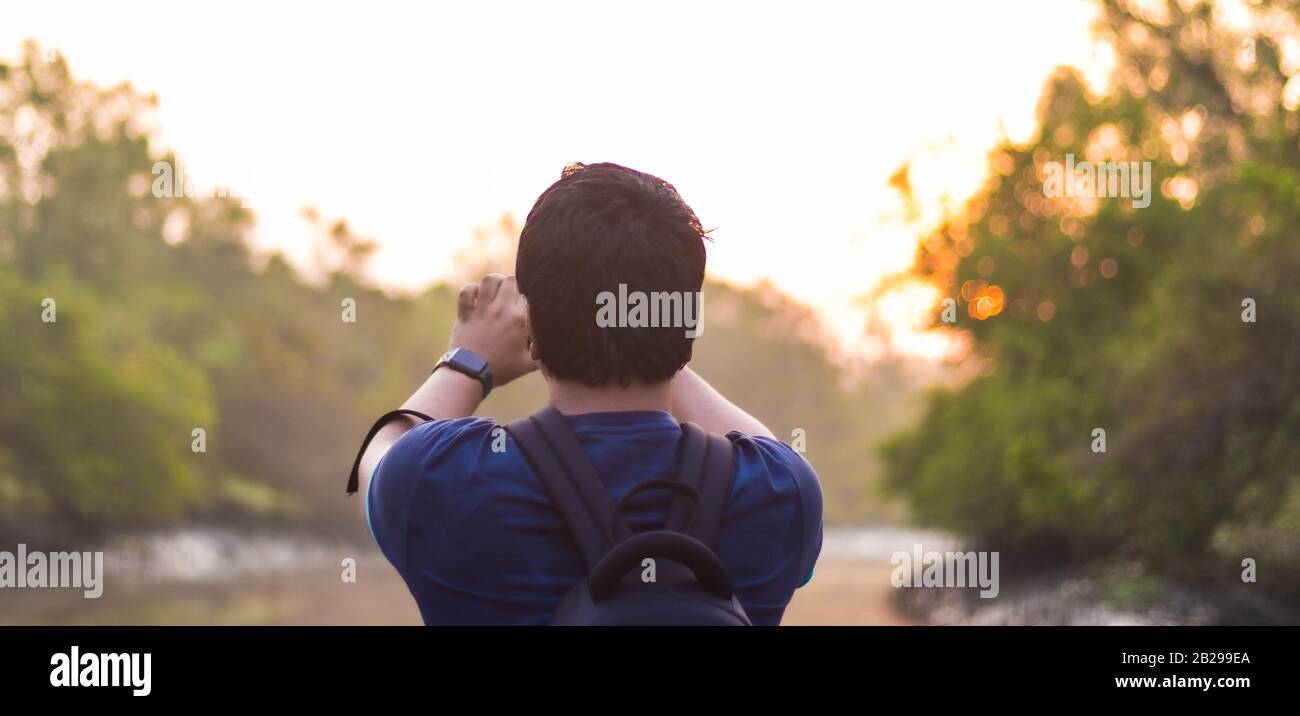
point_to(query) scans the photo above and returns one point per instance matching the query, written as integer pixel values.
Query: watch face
(469, 360)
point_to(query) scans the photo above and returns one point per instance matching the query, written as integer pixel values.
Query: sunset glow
(781, 129)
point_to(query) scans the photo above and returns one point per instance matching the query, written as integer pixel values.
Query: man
(470, 528)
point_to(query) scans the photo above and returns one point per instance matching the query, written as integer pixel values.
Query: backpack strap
(691, 447)
(553, 451)
(704, 465)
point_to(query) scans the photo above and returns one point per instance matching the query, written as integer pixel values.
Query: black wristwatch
(464, 360)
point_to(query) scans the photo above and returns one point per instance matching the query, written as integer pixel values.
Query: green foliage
(1130, 319)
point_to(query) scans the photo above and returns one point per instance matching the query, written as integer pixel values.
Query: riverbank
(847, 592)
(212, 577)
(216, 577)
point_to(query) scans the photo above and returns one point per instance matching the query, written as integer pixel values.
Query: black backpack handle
(660, 544)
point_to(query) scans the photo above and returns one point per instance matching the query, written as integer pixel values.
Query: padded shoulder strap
(553, 451)
(704, 464)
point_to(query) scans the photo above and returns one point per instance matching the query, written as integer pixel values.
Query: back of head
(600, 227)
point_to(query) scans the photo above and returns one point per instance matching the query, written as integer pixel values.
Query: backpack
(690, 585)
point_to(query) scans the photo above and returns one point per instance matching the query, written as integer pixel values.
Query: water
(1061, 598)
(222, 576)
(205, 554)
(217, 576)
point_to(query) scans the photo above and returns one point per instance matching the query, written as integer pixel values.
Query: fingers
(466, 301)
(494, 288)
(508, 293)
(488, 287)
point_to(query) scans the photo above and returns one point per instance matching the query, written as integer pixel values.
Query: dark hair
(599, 226)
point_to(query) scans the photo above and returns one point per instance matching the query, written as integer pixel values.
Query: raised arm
(694, 400)
(492, 321)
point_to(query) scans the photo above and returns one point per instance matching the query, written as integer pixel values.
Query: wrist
(469, 364)
(465, 386)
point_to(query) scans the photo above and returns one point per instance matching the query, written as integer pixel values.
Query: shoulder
(784, 466)
(433, 442)
(433, 439)
(437, 447)
(774, 479)
(429, 446)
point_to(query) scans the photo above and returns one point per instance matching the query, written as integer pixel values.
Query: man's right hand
(492, 321)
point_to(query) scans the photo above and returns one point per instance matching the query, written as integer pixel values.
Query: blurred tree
(1092, 313)
(167, 322)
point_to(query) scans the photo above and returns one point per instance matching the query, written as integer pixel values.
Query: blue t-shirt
(474, 535)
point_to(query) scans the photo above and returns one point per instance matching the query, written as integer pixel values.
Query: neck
(575, 398)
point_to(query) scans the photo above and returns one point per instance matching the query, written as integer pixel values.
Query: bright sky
(780, 124)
